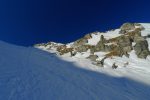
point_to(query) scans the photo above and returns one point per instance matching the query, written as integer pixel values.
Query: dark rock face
(141, 49)
(125, 43)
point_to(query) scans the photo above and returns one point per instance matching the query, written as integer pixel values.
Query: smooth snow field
(32, 74)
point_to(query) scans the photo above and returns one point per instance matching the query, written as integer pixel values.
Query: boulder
(114, 66)
(92, 57)
(141, 49)
(125, 43)
(101, 62)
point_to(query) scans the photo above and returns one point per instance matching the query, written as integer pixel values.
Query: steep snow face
(32, 74)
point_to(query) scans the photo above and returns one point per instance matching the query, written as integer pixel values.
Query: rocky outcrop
(80, 42)
(82, 48)
(83, 41)
(117, 46)
(141, 48)
(126, 27)
(63, 49)
(125, 44)
(101, 45)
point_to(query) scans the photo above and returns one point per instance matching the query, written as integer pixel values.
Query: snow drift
(32, 74)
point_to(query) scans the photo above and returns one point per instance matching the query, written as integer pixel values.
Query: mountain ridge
(127, 64)
(121, 40)
(28, 73)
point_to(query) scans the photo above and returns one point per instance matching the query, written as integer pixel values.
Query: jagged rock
(83, 48)
(101, 44)
(133, 35)
(63, 49)
(138, 39)
(126, 27)
(108, 48)
(114, 66)
(139, 26)
(102, 38)
(101, 62)
(80, 42)
(141, 49)
(88, 36)
(125, 43)
(122, 46)
(92, 57)
(117, 51)
(122, 31)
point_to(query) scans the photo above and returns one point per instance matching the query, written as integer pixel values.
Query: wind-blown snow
(32, 74)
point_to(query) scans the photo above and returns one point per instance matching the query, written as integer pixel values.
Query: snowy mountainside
(130, 66)
(28, 73)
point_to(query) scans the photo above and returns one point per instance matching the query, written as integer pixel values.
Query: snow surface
(28, 73)
(32, 74)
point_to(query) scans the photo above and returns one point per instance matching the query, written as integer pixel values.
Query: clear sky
(26, 22)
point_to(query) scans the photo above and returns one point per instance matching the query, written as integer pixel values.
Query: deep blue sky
(26, 22)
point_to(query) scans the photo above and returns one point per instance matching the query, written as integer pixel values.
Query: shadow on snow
(32, 74)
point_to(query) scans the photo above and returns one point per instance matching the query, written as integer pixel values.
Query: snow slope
(137, 69)
(32, 74)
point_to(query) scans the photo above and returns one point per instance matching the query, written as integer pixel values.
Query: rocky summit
(116, 43)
